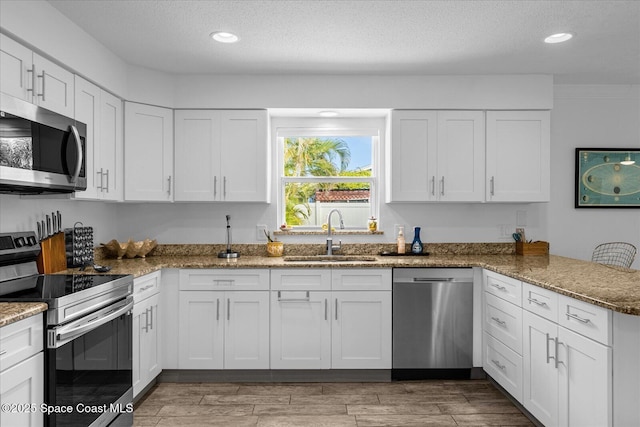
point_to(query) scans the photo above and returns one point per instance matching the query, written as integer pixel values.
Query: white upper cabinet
(29, 76)
(436, 156)
(148, 153)
(102, 113)
(518, 156)
(221, 155)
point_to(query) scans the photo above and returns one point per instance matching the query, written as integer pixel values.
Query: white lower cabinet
(22, 372)
(147, 352)
(223, 329)
(322, 329)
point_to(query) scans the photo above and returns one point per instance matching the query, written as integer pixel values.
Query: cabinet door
(460, 158)
(361, 331)
(23, 384)
(54, 86)
(411, 156)
(300, 330)
(201, 330)
(139, 322)
(244, 154)
(87, 111)
(585, 372)
(150, 351)
(246, 342)
(148, 153)
(518, 156)
(111, 147)
(540, 378)
(16, 76)
(197, 166)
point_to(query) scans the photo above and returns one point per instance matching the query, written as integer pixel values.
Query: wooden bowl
(130, 248)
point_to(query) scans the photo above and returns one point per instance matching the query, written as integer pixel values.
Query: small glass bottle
(416, 245)
(400, 240)
(372, 224)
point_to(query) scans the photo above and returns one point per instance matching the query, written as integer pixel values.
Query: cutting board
(52, 256)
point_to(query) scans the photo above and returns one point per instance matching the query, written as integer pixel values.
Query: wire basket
(620, 254)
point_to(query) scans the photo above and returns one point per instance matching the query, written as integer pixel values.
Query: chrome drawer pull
(305, 299)
(499, 287)
(535, 301)
(555, 358)
(498, 364)
(3, 352)
(578, 318)
(498, 321)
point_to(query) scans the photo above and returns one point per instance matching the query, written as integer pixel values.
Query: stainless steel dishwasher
(432, 323)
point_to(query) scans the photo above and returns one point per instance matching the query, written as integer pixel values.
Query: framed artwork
(607, 178)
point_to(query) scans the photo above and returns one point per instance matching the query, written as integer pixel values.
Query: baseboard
(269, 375)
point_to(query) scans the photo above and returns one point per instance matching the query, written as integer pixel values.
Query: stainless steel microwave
(40, 151)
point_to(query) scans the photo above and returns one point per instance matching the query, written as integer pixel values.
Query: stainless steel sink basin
(329, 258)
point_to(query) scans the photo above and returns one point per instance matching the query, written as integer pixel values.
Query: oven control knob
(31, 241)
(20, 242)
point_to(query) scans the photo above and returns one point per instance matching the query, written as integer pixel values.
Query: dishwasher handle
(434, 279)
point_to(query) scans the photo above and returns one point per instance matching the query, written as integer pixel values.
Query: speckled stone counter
(614, 288)
(11, 312)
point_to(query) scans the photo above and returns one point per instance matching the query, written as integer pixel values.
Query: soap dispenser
(400, 240)
(416, 245)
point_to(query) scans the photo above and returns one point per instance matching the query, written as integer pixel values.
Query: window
(328, 168)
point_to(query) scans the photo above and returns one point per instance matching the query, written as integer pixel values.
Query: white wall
(602, 116)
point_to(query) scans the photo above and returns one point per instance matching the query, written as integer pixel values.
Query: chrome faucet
(330, 246)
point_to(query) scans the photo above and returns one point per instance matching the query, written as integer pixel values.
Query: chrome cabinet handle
(433, 185)
(169, 190)
(578, 318)
(325, 309)
(219, 282)
(228, 308)
(146, 287)
(535, 301)
(217, 308)
(33, 80)
(305, 299)
(499, 287)
(492, 185)
(151, 311)
(224, 187)
(3, 352)
(442, 186)
(336, 308)
(43, 90)
(107, 186)
(498, 321)
(215, 186)
(556, 350)
(498, 364)
(99, 187)
(146, 321)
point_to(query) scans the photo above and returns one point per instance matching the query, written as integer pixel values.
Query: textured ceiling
(371, 37)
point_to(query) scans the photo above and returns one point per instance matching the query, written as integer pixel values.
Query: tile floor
(411, 403)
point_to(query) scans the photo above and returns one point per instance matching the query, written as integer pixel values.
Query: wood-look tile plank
(307, 421)
(399, 399)
(147, 410)
(161, 400)
(404, 420)
(194, 389)
(194, 410)
(315, 409)
(503, 407)
(280, 389)
(492, 420)
(400, 409)
(364, 388)
(245, 399)
(142, 421)
(336, 399)
(486, 396)
(209, 420)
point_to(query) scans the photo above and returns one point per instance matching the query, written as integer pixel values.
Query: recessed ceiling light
(627, 161)
(559, 37)
(224, 37)
(328, 113)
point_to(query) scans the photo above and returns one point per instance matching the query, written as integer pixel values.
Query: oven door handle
(61, 336)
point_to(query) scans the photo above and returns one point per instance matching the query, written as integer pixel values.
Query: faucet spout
(330, 246)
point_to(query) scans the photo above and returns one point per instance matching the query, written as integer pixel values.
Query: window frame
(313, 127)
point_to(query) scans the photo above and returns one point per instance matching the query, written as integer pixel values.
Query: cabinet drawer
(223, 280)
(503, 321)
(355, 279)
(503, 365)
(540, 301)
(586, 319)
(20, 340)
(504, 287)
(301, 279)
(146, 286)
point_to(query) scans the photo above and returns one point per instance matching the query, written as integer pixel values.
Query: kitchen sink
(329, 258)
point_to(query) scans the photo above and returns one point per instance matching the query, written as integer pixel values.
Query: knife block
(52, 256)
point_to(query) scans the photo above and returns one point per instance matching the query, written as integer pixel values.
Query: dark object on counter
(79, 245)
(416, 245)
(228, 253)
(386, 253)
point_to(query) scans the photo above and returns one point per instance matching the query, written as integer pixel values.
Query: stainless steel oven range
(88, 338)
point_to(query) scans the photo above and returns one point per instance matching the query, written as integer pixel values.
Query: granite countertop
(614, 288)
(11, 312)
